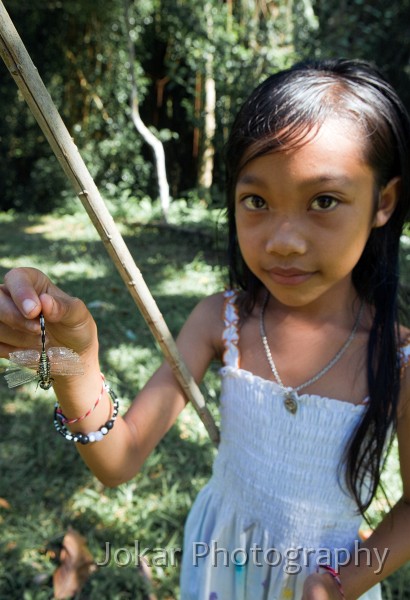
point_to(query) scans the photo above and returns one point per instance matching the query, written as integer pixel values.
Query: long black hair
(277, 116)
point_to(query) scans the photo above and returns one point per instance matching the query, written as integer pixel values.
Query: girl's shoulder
(218, 306)
(213, 305)
(208, 319)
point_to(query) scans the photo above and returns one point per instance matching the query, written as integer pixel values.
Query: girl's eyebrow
(249, 178)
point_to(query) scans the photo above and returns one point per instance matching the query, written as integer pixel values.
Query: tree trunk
(206, 166)
(148, 136)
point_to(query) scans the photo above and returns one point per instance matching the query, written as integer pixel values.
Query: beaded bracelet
(335, 576)
(63, 418)
(92, 436)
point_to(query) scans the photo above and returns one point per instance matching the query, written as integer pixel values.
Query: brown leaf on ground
(76, 565)
(4, 503)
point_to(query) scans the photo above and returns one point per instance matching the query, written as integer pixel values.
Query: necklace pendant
(290, 402)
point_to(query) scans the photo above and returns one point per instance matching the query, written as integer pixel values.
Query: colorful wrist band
(92, 436)
(63, 418)
(335, 576)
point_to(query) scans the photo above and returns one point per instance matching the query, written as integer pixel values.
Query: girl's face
(303, 216)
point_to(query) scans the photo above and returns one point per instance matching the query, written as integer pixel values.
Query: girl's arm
(156, 407)
(388, 548)
(120, 454)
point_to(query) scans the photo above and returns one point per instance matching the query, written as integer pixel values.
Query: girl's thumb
(56, 308)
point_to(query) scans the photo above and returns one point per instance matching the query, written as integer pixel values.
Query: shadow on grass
(149, 246)
(49, 489)
(161, 255)
(44, 485)
(157, 500)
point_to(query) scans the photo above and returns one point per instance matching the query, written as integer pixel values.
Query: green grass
(42, 478)
(44, 481)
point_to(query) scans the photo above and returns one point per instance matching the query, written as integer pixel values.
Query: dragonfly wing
(25, 358)
(15, 376)
(64, 361)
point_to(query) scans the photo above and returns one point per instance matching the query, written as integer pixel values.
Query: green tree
(195, 63)
(373, 31)
(80, 51)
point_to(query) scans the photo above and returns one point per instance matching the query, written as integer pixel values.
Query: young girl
(314, 378)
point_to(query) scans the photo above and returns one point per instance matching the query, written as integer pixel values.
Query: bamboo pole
(41, 105)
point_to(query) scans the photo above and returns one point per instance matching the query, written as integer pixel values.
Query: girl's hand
(24, 294)
(321, 586)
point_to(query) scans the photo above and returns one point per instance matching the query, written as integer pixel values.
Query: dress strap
(230, 334)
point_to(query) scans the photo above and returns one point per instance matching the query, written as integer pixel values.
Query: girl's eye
(323, 203)
(254, 203)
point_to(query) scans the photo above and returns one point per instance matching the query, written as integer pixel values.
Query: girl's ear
(388, 198)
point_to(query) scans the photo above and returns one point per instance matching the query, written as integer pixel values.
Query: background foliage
(80, 49)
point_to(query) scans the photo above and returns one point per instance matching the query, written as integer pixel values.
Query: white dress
(274, 507)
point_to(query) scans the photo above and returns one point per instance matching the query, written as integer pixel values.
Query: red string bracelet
(91, 436)
(65, 421)
(335, 576)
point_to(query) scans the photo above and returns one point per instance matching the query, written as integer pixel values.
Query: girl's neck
(337, 307)
(304, 339)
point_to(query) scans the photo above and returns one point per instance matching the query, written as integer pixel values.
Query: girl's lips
(289, 276)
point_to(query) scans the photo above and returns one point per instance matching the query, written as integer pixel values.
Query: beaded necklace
(291, 394)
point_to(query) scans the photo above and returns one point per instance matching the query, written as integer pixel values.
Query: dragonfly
(30, 365)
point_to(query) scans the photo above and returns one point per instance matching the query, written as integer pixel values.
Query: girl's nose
(285, 237)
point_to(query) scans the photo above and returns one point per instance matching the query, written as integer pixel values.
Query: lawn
(44, 488)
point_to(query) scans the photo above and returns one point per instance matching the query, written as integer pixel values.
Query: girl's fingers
(24, 286)
(320, 587)
(11, 315)
(18, 339)
(5, 350)
(60, 307)
(27, 292)
(16, 332)
(32, 292)
(68, 321)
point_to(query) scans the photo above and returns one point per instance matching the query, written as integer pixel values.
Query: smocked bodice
(285, 467)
